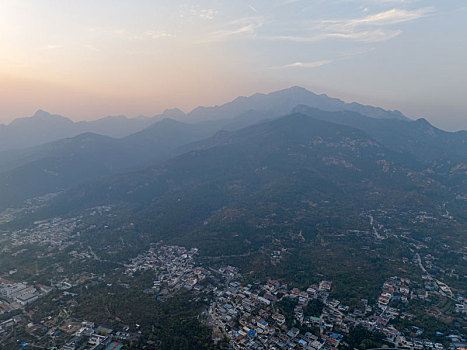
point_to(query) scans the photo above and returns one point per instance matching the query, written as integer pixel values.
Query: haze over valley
(284, 218)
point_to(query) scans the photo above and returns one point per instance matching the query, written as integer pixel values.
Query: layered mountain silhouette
(257, 175)
(231, 181)
(44, 127)
(421, 153)
(281, 102)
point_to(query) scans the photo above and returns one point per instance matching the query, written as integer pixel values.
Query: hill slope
(62, 164)
(44, 127)
(299, 185)
(271, 166)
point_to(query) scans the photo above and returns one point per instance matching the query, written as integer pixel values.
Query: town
(251, 317)
(242, 312)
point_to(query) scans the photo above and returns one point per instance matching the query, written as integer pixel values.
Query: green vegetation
(360, 338)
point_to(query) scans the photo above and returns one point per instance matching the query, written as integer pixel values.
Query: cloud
(381, 2)
(367, 36)
(207, 14)
(363, 36)
(241, 26)
(253, 9)
(314, 64)
(389, 17)
(364, 29)
(195, 11)
(158, 34)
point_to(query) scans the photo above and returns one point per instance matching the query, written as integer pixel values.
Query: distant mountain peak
(294, 91)
(114, 117)
(173, 112)
(282, 102)
(40, 119)
(426, 126)
(167, 121)
(297, 88)
(40, 113)
(423, 121)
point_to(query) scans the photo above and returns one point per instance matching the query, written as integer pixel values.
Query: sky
(91, 58)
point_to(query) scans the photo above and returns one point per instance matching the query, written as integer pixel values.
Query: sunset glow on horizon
(89, 59)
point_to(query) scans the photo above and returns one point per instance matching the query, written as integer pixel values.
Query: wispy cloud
(207, 14)
(366, 36)
(320, 63)
(195, 11)
(314, 64)
(286, 2)
(158, 34)
(363, 36)
(381, 2)
(366, 29)
(253, 9)
(388, 17)
(241, 26)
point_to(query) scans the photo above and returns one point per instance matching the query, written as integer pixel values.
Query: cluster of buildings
(29, 206)
(276, 256)
(58, 330)
(55, 232)
(89, 336)
(432, 273)
(267, 315)
(51, 233)
(258, 315)
(17, 295)
(394, 288)
(379, 317)
(251, 316)
(432, 285)
(173, 268)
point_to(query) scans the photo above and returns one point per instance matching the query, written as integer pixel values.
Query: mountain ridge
(45, 127)
(290, 160)
(438, 151)
(283, 101)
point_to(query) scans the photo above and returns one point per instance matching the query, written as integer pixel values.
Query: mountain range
(417, 152)
(296, 171)
(302, 182)
(271, 185)
(44, 127)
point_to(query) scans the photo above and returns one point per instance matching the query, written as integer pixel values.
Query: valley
(314, 229)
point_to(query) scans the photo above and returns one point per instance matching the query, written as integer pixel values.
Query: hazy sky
(90, 58)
